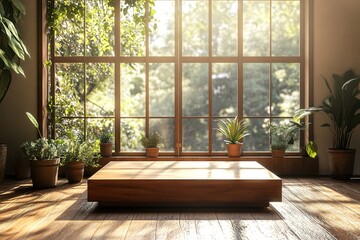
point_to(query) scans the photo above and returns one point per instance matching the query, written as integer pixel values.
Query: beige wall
(15, 128)
(336, 49)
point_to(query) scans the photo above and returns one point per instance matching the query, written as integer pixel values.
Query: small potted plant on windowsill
(105, 144)
(76, 157)
(43, 159)
(151, 144)
(234, 131)
(284, 134)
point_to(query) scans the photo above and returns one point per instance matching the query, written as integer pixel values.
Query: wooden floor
(311, 209)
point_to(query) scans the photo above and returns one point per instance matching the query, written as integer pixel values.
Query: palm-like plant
(342, 107)
(233, 129)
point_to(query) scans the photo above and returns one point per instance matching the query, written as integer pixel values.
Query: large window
(177, 67)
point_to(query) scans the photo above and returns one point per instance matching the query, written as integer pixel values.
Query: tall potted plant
(44, 159)
(234, 131)
(12, 49)
(342, 106)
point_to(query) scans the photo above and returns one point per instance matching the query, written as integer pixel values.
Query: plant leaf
(5, 80)
(32, 120)
(311, 149)
(18, 4)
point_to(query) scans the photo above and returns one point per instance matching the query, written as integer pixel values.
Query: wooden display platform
(184, 184)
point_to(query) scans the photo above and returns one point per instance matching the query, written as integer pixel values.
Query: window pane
(100, 28)
(195, 36)
(285, 94)
(162, 29)
(162, 89)
(286, 28)
(256, 24)
(166, 128)
(69, 37)
(132, 27)
(258, 140)
(224, 27)
(100, 95)
(69, 99)
(195, 89)
(195, 136)
(133, 90)
(224, 89)
(256, 89)
(131, 132)
(218, 143)
(70, 128)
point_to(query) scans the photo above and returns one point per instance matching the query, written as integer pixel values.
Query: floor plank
(312, 208)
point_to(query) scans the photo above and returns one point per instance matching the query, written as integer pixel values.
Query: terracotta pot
(234, 149)
(278, 153)
(74, 171)
(341, 163)
(44, 173)
(152, 152)
(3, 152)
(106, 149)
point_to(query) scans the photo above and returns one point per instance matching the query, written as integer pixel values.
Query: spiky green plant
(151, 142)
(233, 129)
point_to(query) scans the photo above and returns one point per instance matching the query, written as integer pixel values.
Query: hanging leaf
(19, 6)
(5, 79)
(311, 149)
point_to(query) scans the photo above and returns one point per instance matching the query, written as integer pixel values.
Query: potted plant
(234, 130)
(12, 49)
(105, 144)
(342, 107)
(43, 159)
(283, 135)
(78, 155)
(151, 144)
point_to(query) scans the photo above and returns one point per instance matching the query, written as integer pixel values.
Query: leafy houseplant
(342, 106)
(105, 144)
(12, 49)
(76, 157)
(151, 144)
(233, 130)
(43, 157)
(283, 135)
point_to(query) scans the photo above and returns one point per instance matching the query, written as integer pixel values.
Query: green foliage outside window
(84, 99)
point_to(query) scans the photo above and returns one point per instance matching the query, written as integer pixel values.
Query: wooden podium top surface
(183, 170)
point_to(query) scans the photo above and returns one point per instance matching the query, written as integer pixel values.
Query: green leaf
(32, 120)
(18, 5)
(311, 149)
(5, 80)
